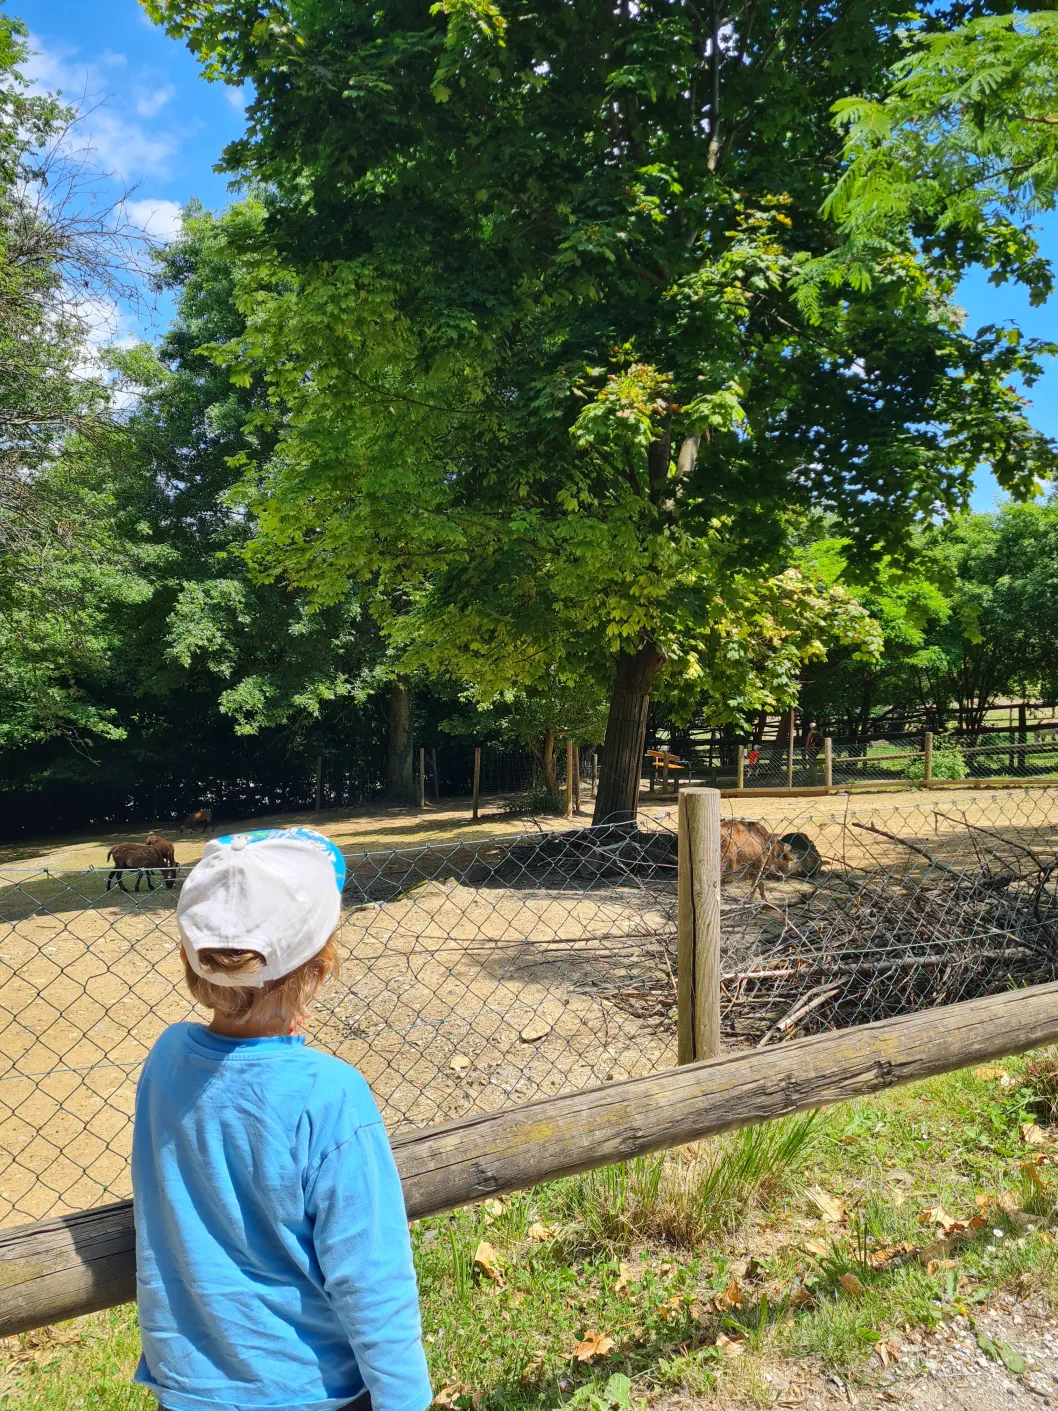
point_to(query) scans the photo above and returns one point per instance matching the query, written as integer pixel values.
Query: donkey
(145, 857)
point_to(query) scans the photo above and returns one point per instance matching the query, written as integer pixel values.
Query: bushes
(949, 762)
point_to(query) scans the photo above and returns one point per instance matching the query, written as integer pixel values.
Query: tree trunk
(547, 764)
(400, 770)
(622, 758)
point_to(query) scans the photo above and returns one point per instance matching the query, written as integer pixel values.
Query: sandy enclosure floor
(453, 998)
(470, 980)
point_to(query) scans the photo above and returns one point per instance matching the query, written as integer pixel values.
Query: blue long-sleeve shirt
(273, 1263)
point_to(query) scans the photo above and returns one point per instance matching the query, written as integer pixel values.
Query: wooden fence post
(576, 780)
(740, 768)
(319, 783)
(789, 749)
(828, 763)
(477, 779)
(567, 811)
(1023, 733)
(422, 777)
(436, 777)
(698, 911)
(927, 749)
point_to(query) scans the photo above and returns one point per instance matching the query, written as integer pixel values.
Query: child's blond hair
(283, 999)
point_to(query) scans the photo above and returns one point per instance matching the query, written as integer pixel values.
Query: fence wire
(902, 909)
(473, 976)
(479, 975)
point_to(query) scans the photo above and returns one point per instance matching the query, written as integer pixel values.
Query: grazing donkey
(145, 858)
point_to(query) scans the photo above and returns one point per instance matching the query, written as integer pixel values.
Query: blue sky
(160, 128)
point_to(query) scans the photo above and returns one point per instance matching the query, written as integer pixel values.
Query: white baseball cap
(277, 891)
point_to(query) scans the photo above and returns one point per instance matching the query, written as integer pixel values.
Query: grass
(808, 1238)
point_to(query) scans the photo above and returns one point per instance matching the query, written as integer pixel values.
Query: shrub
(949, 762)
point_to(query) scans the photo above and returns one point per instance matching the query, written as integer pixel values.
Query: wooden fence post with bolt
(698, 911)
(477, 779)
(927, 750)
(740, 768)
(828, 764)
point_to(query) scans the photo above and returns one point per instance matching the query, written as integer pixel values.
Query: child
(273, 1263)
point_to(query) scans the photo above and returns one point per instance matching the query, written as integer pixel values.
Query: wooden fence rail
(79, 1263)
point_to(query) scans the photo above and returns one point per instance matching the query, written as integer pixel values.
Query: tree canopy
(556, 285)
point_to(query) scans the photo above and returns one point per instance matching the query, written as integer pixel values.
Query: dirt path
(944, 1370)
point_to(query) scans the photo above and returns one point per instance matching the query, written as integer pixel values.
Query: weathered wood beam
(79, 1263)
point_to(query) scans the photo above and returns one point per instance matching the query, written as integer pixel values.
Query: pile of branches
(869, 945)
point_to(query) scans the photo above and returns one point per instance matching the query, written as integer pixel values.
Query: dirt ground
(462, 989)
(378, 826)
(940, 1371)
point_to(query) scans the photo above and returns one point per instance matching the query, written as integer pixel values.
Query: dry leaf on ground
(460, 1063)
(935, 1266)
(831, 1207)
(731, 1297)
(938, 1216)
(888, 1255)
(792, 1396)
(488, 1261)
(730, 1347)
(541, 1233)
(448, 1395)
(1031, 1172)
(593, 1345)
(495, 1208)
(989, 1074)
(1032, 1134)
(851, 1284)
(1008, 1203)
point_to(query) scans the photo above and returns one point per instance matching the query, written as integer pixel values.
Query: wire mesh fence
(474, 975)
(887, 911)
(485, 973)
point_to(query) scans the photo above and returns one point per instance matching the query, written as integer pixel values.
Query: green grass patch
(806, 1237)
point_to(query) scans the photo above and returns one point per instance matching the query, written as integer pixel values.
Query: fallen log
(80, 1263)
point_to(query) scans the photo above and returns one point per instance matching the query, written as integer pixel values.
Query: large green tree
(68, 565)
(552, 308)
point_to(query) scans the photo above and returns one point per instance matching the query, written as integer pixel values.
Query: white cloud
(236, 97)
(119, 142)
(153, 101)
(161, 220)
(111, 60)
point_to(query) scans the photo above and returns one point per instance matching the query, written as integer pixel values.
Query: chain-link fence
(886, 911)
(482, 974)
(474, 975)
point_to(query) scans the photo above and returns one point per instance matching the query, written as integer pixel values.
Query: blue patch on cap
(309, 835)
